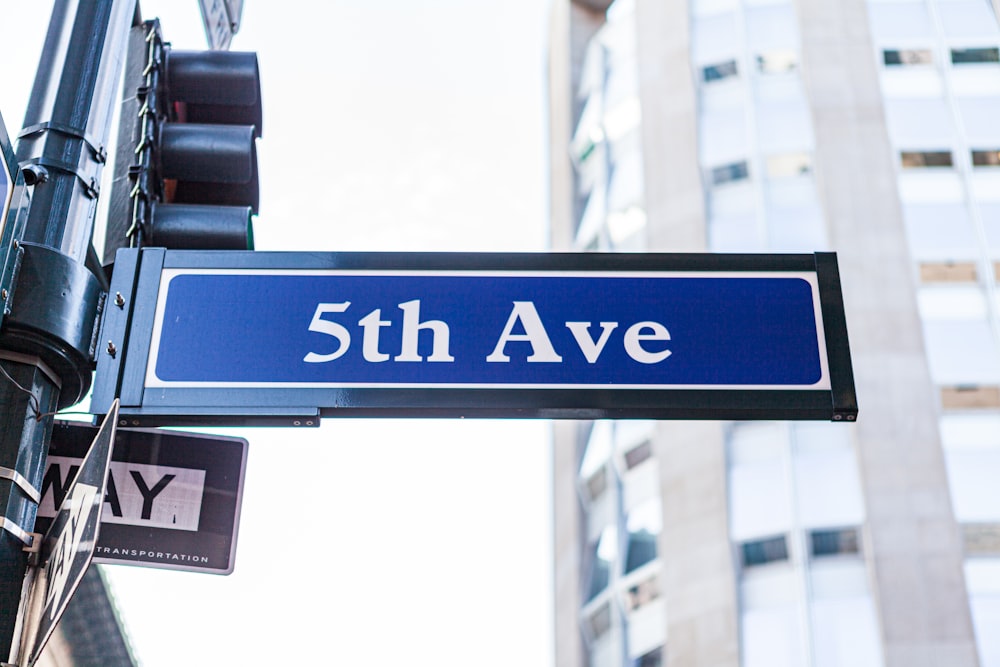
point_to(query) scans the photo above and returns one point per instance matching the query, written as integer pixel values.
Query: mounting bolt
(119, 300)
(112, 350)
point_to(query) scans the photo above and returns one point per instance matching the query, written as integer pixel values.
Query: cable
(32, 399)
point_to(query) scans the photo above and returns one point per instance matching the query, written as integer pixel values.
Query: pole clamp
(22, 483)
(20, 533)
(99, 153)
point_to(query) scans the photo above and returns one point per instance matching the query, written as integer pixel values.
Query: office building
(866, 127)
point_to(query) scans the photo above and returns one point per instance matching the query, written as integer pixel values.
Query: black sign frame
(128, 327)
(212, 547)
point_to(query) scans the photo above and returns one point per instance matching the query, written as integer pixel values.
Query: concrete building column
(911, 541)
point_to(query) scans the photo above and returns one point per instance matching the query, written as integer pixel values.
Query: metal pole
(47, 341)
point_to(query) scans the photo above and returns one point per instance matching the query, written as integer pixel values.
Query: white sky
(388, 125)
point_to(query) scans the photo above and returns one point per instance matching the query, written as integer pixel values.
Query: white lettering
(411, 331)
(329, 328)
(534, 334)
(371, 323)
(144, 495)
(635, 336)
(81, 504)
(591, 349)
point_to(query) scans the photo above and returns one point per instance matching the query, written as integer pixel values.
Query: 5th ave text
(644, 342)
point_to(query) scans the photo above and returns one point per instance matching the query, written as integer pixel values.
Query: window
(642, 593)
(965, 397)
(970, 56)
(981, 539)
(597, 484)
(788, 164)
(898, 57)
(947, 272)
(922, 159)
(719, 71)
(761, 552)
(652, 659)
(728, 173)
(644, 525)
(599, 622)
(638, 454)
(603, 554)
(986, 158)
(777, 62)
(834, 542)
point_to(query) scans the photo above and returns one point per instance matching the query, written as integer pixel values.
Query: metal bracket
(22, 483)
(34, 550)
(99, 153)
(18, 532)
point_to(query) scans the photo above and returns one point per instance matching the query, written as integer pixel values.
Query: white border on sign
(167, 275)
(5, 210)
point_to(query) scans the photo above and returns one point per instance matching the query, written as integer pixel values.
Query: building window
(948, 272)
(897, 57)
(642, 593)
(719, 71)
(966, 397)
(968, 56)
(785, 165)
(761, 552)
(728, 173)
(641, 549)
(597, 483)
(599, 622)
(644, 523)
(777, 62)
(834, 542)
(981, 539)
(638, 454)
(923, 159)
(986, 158)
(652, 659)
(603, 555)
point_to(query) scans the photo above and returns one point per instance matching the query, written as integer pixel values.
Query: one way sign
(172, 499)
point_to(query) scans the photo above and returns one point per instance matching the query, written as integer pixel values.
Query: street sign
(222, 20)
(230, 337)
(68, 546)
(173, 499)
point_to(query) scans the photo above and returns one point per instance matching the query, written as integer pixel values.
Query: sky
(388, 125)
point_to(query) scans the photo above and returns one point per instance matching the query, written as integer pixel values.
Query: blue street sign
(484, 329)
(487, 335)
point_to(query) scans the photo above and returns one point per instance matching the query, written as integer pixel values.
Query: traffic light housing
(186, 166)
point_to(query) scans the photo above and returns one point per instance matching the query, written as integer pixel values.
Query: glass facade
(796, 506)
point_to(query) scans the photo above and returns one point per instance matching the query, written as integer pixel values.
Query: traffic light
(186, 165)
